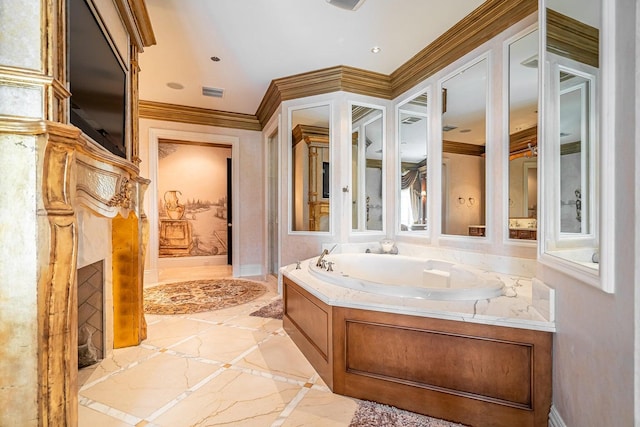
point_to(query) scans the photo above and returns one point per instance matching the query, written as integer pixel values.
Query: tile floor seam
(109, 410)
(291, 406)
(117, 372)
(172, 403)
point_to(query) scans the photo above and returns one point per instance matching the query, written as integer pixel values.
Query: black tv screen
(97, 81)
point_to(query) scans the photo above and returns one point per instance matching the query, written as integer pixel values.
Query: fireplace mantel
(55, 183)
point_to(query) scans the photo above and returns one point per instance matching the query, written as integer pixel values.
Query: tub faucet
(323, 254)
(320, 258)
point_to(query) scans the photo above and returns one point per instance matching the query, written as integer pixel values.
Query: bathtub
(409, 277)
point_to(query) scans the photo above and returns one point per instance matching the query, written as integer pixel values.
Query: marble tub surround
(516, 308)
(502, 264)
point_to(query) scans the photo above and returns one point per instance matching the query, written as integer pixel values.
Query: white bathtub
(403, 276)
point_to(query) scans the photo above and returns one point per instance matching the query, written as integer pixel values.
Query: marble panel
(20, 44)
(21, 101)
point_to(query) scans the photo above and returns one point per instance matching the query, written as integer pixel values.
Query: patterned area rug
(376, 414)
(273, 310)
(200, 295)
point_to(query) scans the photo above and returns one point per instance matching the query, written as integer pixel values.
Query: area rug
(273, 310)
(196, 296)
(376, 414)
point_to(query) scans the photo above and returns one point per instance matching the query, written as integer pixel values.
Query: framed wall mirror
(522, 55)
(413, 127)
(310, 178)
(367, 167)
(575, 226)
(464, 142)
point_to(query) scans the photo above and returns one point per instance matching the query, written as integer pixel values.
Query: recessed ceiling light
(375, 49)
(175, 85)
(215, 59)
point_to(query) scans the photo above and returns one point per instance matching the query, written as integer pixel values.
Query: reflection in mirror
(413, 126)
(572, 50)
(575, 129)
(523, 137)
(464, 105)
(367, 170)
(310, 169)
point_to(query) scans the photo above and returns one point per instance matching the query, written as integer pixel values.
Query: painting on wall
(192, 199)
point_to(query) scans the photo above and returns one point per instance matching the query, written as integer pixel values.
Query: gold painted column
(57, 292)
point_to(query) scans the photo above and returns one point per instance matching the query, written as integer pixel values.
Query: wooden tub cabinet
(475, 374)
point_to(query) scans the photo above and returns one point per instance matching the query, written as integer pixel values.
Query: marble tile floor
(218, 368)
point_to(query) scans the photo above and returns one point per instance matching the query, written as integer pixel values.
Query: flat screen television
(97, 81)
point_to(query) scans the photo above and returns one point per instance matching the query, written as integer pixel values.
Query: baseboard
(555, 420)
(186, 262)
(150, 276)
(251, 270)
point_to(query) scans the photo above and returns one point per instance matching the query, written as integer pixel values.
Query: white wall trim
(555, 420)
(154, 135)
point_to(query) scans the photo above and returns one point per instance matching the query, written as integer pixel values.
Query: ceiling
(261, 40)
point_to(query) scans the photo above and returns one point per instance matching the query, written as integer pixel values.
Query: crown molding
(327, 80)
(572, 39)
(484, 23)
(195, 115)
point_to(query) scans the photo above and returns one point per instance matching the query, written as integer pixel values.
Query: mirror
(310, 168)
(575, 141)
(572, 68)
(367, 168)
(523, 137)
(464, 135)
(412, 132)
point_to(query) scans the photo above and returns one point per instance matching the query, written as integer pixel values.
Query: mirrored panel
(464, 112)
(367, 168)
(523, 137)
(575, 141)
(310, 168)
(571, 147)
(413, 149)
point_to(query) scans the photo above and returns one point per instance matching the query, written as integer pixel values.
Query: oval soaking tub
(404, 276)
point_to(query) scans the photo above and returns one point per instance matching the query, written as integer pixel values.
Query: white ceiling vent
(411, 120)
(346, 4)
(212, 91)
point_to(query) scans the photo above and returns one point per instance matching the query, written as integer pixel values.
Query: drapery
(408, 182)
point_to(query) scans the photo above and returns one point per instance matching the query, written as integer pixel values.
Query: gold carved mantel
(72, 174)
(51, 177)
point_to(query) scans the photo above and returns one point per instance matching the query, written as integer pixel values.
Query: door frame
(151, 201)
(270, 130)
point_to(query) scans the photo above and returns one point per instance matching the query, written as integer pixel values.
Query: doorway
(157, 264)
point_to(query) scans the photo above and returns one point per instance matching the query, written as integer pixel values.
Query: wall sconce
(470, 201)
(423, 193)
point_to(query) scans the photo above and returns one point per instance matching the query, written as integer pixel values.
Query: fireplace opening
(91, 314)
